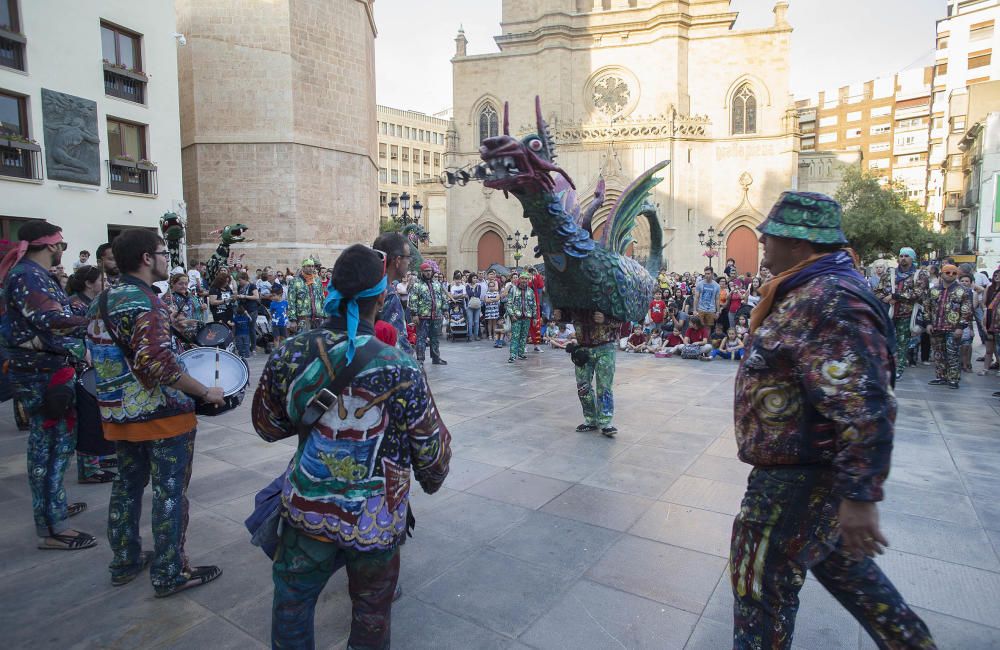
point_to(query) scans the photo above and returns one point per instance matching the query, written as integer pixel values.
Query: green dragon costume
(220, 258)
(417, 235)
(173, 233)
(582, 276)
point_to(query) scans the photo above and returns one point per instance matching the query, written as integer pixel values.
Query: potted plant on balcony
(125, 71)
(18, 141)
(123, 160)
(146, 165)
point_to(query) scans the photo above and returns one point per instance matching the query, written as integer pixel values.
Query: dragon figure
(173, 233)
(232, 234)
(417, 235)
(581, 274)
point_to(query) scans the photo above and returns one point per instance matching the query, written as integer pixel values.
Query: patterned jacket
(948, 308)
(814, 387)
(38, 328)
(305, 299)
(349, 481)
(907, 292)
(392, 313)
(133, 386)
(521, 303)
(428, 300)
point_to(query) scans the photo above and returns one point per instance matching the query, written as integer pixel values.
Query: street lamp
(518, 242)
(404, 201)
(710, 242)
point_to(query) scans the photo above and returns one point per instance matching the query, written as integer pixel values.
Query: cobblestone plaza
(541, 537)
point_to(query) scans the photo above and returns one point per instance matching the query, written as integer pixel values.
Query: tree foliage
(879, 219)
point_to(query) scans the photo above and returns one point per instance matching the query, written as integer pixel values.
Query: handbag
(475, 303)
(691, 351)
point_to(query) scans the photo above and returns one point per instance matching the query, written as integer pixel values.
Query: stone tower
(278, 126)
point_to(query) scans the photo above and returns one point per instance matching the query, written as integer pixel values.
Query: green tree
(879, 220)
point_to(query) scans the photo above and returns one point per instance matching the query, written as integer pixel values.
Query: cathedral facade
(625, 84)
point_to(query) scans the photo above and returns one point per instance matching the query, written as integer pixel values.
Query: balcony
(131, 177)
(124, 83)
(953, 215)
(20, 159)
(12, 49)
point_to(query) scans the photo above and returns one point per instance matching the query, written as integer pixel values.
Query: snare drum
(214, 335)
(88, 380)
(207, 364)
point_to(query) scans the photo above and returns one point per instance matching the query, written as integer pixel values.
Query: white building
(981, 209)
(89, 124)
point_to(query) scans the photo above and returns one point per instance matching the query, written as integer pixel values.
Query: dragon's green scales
(581, 274)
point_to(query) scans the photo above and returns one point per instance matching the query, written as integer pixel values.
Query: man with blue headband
(345, 495)
(906, 292)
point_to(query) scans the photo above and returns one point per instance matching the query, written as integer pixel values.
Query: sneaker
(511, 360)
(609, 431)
(586, 427)
(440, 362)
(521, 357)
(537, 349)
(952, 385)
(938, 382)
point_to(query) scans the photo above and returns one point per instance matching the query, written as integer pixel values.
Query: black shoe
(953, 385)
(586, 427)
(511, 360)
(196, 576)
(145, 559)
(521, 357)
(995, 366)
(938, 382)
(609, 431)
(996, 394)
(440, 362)
(982, 358)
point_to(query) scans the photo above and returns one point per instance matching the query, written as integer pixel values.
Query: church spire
(461, 42)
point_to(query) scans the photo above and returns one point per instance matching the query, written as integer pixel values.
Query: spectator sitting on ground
(731, 347)
(655, 342)
(565, 333)
(636, 341)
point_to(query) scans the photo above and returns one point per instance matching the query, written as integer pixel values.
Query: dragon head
(416, 234)
(234, 233)
(171, 227)
(521, 166)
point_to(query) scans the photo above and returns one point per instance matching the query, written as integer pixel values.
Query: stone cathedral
(623, 85)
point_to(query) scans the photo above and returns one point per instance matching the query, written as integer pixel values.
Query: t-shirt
(194, 281)
(708, 292)
(637, 339)
(697, 335)
(223, 312)
(241, 323)
(674, 339)
(657, 310)
(735, 300)
(279, 313)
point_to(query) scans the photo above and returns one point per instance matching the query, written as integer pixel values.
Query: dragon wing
(618, 234)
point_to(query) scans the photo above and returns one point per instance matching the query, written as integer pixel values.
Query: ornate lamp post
(518, 242)
(404, 201)
(710, 241)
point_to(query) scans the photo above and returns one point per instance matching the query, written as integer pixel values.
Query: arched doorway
(741, 245)
(490, 250)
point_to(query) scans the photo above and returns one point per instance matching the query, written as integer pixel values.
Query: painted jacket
(906, 294)
(349, 480)
(521, 303)
(38, 327)
(428, 300)
(591, 335)
(948, 308)
(305, 299)
(392, 313)
(133, 387)
(188, 306)
(814, 388)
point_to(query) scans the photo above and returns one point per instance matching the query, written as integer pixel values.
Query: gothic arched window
(744, 118)
(489, 123)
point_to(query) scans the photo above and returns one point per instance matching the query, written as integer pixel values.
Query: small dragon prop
(232, 234)
(173, 233)
(417, 235)
(581, 274)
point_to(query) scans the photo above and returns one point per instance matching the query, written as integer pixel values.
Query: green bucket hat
(805, 215)
(308, 262)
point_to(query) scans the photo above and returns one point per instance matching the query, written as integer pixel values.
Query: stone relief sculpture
(71, 138)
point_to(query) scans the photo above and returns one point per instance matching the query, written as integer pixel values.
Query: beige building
(625, 84)
(883, 121)
(411, 149)
(277, 125)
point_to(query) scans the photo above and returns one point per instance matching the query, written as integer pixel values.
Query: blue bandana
(332, 307)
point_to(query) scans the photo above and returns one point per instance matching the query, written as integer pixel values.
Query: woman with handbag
(473, 308)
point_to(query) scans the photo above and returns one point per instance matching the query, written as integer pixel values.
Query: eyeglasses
(948, 273)
(62, 245)
(163, 253)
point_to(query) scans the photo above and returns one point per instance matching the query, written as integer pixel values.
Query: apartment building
(411, 148)
(89, 122)
(884, 119)
(966, 39)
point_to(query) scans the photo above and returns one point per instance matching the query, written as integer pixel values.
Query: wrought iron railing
(128, 177)
(20, 163)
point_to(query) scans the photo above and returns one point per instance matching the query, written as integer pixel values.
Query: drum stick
(217, 363)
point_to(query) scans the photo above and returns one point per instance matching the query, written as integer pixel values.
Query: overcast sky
(835, 42)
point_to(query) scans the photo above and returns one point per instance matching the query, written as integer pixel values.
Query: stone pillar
(461, 43)
(278, 127)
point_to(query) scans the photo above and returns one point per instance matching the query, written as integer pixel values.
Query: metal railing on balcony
(11, 50)
(17, 162)
(124, 87)
(130, 178)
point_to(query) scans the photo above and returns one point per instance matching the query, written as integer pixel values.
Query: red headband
(14, 256)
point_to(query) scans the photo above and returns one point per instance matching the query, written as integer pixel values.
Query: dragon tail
(655, 261)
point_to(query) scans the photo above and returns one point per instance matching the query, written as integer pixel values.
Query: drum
(215, 367)
(88, 380)
(214, 335)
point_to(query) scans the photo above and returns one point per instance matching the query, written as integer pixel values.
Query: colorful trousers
(788, 525)
(50, 447)
(429, 332)
(518, 336)
(594, 385)
(903, 336)
(947, 355)
(168, 462)
(302, 567)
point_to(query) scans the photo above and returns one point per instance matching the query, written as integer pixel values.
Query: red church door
(741, 245)
(490, 250)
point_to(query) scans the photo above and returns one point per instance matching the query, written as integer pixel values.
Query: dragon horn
(506, 118)
(543, 129)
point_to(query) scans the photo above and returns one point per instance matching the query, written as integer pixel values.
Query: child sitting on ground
(696, 335)
(654, 343)
(731, 347)
(672, 340)
(636, 341)
(564, 334)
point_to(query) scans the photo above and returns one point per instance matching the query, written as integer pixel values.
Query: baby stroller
(265, 337)
(458, 326)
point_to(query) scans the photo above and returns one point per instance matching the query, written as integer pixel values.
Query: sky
(835, 42)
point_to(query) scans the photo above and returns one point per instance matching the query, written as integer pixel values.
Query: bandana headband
(14, 256)
(332, 305)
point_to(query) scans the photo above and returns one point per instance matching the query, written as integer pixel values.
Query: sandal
(103, 476)
(145, 559)
(196, 577)
(76, 542)
(74, 509)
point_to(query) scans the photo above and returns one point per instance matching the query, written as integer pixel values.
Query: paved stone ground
(542, 537)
